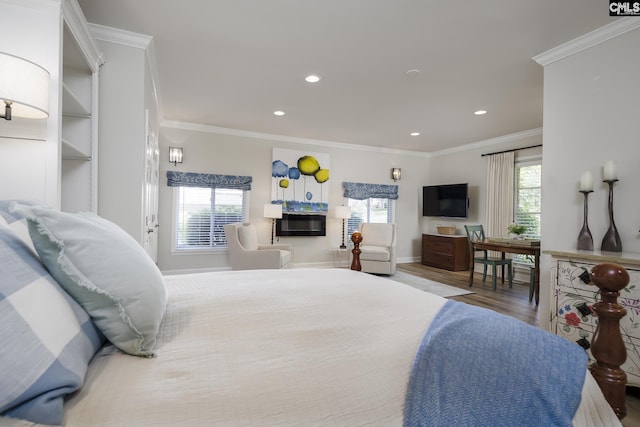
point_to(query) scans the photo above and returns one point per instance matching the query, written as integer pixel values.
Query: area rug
(427, 285)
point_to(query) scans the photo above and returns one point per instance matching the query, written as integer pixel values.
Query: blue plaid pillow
(47, 338)
(17, 222)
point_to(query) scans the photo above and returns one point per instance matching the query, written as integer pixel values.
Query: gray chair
(475, 233)
(246, 254)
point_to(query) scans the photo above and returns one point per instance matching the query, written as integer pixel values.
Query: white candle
(610, 170)
(586, 181)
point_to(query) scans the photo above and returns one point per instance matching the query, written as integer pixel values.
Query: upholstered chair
(378, 248)
(245, 253)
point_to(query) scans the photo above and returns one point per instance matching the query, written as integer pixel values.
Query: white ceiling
(231, 63)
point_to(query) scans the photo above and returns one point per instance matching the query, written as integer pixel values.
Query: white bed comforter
(301, 347)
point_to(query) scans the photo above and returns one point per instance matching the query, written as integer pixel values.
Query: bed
(297, 347)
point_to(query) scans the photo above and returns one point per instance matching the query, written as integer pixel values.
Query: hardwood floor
(510, 301)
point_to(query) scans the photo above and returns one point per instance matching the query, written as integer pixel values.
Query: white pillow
(105, 270)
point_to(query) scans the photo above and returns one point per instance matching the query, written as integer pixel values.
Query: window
(369, 203)
(204, 204)
(202, 213)
(528, 200)
(369, 210)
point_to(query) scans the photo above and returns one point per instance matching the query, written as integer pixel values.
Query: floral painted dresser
(574, 295)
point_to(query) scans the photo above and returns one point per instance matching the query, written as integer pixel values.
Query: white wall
(590, 114)
(209, 152)
(468, 165)
(121, 136)
(591, 111)
(32, 29)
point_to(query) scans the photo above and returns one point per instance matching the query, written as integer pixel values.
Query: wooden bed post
(607, 346)
(356, 238)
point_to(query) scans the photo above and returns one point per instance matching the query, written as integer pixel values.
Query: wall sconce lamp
(24, 88)
(175, 155)
(273, 211)
(396, 174)
(343, 212)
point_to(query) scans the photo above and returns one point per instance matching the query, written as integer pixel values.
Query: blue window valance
(208, 180)
(361, 191)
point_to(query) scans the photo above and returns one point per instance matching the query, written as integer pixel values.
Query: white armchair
(246, 254)
(378, 248)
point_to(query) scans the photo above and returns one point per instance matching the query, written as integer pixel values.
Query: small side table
(341, 257)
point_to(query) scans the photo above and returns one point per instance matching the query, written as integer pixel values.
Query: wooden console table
(514, 246)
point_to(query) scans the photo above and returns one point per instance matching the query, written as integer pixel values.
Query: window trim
(209, 250)
(391, 212)
(520, 163)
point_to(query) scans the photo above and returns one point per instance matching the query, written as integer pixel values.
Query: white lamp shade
(272, 211)
(25, 85)
(343, 212)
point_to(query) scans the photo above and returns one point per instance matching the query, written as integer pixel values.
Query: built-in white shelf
(79, 124)
(71, 104)
(71, 152)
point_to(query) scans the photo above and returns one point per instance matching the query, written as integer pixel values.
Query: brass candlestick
(585, 240)
(611, 240)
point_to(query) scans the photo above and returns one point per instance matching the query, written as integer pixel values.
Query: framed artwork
(300, 180)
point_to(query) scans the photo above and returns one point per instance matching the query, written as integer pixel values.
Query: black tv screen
(447, 201)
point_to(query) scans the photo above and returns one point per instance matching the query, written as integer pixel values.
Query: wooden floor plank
(510, 301)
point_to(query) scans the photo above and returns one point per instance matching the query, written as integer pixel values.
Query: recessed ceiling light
(415, 134)
(279, 113)
(480, 112)
(413, 72)
(312, 78)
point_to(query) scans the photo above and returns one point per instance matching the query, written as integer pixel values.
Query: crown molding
(79, 28)
(137, 41)
(283, 138)
(123, 37)
(271, 137)
(489, 142)
(600, 35)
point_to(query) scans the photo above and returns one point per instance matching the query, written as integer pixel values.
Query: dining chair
(532, 281)
(475, 233)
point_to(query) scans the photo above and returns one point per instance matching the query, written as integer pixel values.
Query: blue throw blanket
(476, 367)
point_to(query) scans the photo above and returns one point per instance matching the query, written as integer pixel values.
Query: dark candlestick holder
(585, 240)
(611, 240)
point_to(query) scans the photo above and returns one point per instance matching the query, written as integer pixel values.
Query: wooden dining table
(514, 246)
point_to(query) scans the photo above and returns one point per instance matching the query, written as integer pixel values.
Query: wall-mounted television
(446, 201)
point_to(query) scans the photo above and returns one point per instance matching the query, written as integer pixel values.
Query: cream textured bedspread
(300, 347)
